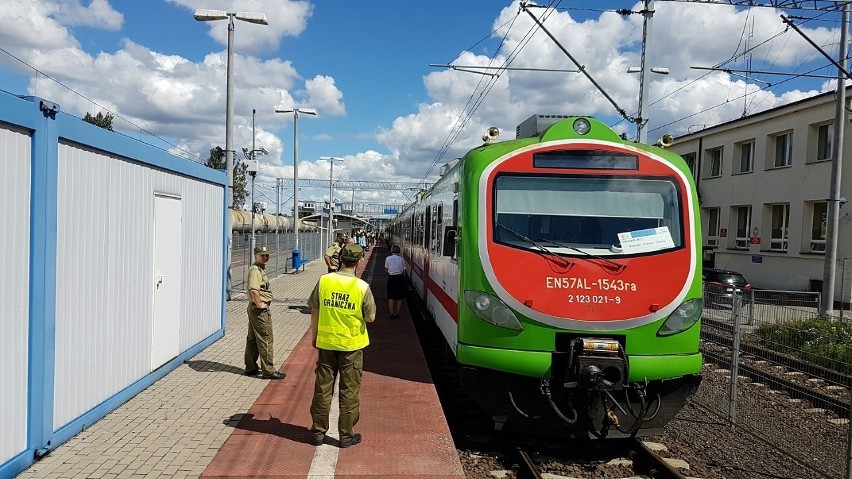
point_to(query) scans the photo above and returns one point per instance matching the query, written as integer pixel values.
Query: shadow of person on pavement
(273, 425)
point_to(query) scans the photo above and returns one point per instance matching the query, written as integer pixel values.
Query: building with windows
(763, 183)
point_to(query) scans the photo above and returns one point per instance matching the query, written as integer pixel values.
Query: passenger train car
(563, 269)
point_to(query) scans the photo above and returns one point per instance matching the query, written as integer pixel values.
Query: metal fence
(777, 369)
(311, 247)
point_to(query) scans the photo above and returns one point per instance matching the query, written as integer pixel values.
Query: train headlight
(489, 308)
(582, 126)
(682, 318)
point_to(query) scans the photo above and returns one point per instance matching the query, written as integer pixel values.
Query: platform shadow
(213, 367)
(272, 426)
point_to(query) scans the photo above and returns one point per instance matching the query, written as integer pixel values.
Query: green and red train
(563, 269)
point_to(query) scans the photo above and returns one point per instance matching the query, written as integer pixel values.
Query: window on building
(712, 236)
(783, 150)
(746, 156)
(825, 135)
(715, 159)
(780, 223)
(819, 226)
(690, 159)
(743, 214)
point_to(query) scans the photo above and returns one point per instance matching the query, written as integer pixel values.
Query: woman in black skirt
(395, 266)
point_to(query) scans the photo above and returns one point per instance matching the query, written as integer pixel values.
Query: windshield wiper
(618, 267)
(541, 249)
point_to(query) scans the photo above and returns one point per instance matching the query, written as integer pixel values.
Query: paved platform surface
(177, 426)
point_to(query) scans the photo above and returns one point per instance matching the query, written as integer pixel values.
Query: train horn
(666, 141)
(491, 135)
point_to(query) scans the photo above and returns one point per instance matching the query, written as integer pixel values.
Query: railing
(280, 260)
(777, 369)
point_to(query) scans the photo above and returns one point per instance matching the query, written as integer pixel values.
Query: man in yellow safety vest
(341, 306)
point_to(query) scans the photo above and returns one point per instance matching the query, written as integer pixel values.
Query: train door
(165, 321)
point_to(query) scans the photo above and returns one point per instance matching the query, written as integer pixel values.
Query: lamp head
(205, 15)
(263, 151)
(252, 17)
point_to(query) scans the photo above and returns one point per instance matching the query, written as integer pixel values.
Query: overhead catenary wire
(475, 101)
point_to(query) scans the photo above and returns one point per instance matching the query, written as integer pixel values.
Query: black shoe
(317, 441)
(356, 439)
(275, 375)
(252, 373)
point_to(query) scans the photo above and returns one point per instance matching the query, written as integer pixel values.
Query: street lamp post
(251, 156)
(204, 15)
(296, 111)
(331, 160)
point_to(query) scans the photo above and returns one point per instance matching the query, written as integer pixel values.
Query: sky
(365, 67)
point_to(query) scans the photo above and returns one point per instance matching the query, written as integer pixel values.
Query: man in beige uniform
(259, 339)
(332, 254)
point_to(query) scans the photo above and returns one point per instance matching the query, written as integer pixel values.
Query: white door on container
(165, 326)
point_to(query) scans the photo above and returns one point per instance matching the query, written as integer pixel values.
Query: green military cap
(352, 252)
(261, 250)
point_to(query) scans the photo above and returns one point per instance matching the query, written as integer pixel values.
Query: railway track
(775, 381)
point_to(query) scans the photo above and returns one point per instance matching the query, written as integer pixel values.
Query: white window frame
(742, 242)
(746, 146)
(783, 153)
(817, 242)
(716, 158)
(712, 237)
(778, 241)
(825, 139)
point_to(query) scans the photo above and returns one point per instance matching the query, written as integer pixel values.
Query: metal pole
(833, 222)
(735, 358)
(229, 148)
(331, 201)
(253, 241)
(253, 153)
(296, 176)
(353, 201)
(642, 121)
(277, 223)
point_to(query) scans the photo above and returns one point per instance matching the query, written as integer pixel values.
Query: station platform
(206, 419)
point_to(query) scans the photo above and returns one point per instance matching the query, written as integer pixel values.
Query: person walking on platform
(259, 339)
(395, 266)
(341, 306)
(332, 254)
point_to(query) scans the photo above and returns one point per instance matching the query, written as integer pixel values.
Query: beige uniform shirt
(258, 280)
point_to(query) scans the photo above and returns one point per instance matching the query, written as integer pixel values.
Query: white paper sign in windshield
(645, 241)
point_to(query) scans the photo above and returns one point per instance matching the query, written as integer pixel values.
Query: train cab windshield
(603, 216)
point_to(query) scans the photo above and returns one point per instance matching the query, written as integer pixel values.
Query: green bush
(820, 340)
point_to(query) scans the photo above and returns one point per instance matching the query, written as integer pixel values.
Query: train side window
(449, 242)
(426, 222)
(439, 223)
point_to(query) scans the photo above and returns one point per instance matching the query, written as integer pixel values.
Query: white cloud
(606, 46)
(98, 14)
(286, 18)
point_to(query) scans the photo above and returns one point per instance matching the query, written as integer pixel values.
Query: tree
(217, 161)
(102, 120)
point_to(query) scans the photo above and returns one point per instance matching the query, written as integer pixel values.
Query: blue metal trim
(90, 417)
(17, 464)
(226, 270)
(42, 281)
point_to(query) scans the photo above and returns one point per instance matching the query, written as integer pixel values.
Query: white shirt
(394, 264)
